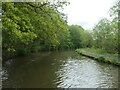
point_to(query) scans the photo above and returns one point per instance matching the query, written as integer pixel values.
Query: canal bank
(99, 57)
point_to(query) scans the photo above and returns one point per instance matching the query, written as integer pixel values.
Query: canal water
(63, 69)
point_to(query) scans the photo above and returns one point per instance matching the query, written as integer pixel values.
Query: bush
(114, 62)
(35, 49)
(22, 52)
(101, 58)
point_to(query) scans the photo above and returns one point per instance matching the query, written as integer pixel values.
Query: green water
(65, 69)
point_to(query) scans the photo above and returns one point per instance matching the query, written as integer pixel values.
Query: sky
(87, 12)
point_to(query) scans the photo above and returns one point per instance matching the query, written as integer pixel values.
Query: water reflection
(85, 73)
(59, 69)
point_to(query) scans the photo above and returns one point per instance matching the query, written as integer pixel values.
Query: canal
(58, 69)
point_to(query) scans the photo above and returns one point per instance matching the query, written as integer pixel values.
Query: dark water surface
(58, 69)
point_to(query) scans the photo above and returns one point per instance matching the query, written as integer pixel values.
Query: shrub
(101, 58)
(35, 49)
(22, 52)
(114, 62)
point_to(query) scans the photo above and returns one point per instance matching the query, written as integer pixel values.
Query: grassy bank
(99, 55)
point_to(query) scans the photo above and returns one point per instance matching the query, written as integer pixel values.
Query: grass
(101, 51)
(93, 52)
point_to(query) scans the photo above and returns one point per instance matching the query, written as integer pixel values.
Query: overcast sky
(87, 12)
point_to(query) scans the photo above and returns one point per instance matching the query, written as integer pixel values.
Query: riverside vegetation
(99, 55)
(40, 26)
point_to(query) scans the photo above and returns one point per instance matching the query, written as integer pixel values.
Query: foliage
(75, 32)
(105, 35)
(114, 62)
(16, 28)
(80, 37)
(105, 32)
(22, 52)
(87, 39)
(27, 25)
(35, 26)
(101, 59)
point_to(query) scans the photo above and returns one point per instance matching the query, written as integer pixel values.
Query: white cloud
(87, 12)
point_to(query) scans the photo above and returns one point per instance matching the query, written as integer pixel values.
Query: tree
(86, 38)
(75, 32)
(16, 29)
(27, 25)
(105, 35)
